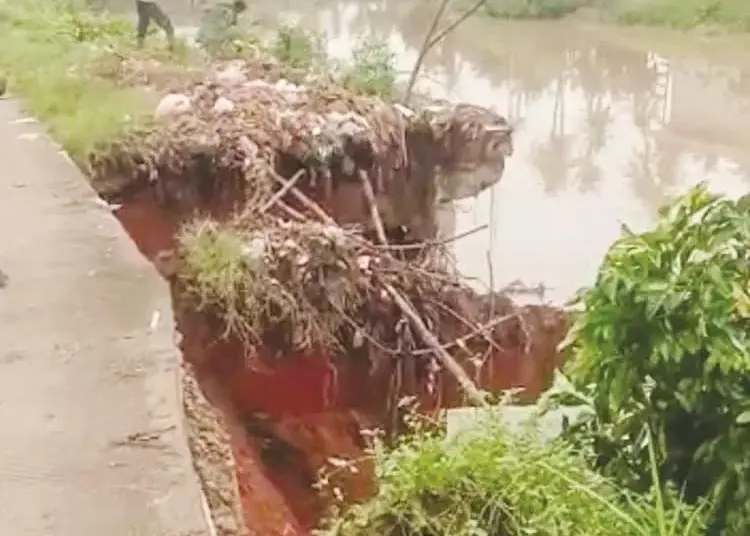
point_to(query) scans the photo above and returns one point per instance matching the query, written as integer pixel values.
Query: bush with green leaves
(297, 47)
(490, 483)
(372, 69)
(662, 350)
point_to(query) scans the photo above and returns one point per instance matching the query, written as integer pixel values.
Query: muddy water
(609, 125)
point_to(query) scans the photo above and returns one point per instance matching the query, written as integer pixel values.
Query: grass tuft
(491, 483)
(47, 48)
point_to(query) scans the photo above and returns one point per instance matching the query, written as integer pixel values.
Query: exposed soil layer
(222, 144)
(283, 418)
(209, 442)
(285, 409)
(298, 412)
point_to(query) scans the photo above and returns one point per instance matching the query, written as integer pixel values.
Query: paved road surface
(91, 438)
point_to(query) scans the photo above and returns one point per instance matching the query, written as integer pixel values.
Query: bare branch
(433, 37)
(424, 50)
(453, 25)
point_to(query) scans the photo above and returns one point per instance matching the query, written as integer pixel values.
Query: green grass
(686, 14)
(48, 49)
(492, 484)
(531, 9)
(45, 50)
(732, 15)
(372, 70)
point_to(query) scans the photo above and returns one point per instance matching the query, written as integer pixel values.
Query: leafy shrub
(299, 48)
(663, 350)
(372, 70)
(489, 484)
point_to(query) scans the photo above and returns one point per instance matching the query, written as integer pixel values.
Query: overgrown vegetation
(492, 484)
(296, 47)
(46, 47)
(681, 14)
(50, 49)
(685, 14)
(532, 9)
(661, 357)
(372, 69)
(663, 350)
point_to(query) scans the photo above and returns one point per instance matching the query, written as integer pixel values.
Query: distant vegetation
(532, 9)
(682, 14)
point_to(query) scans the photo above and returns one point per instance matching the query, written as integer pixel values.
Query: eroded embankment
(299, 381)
(293, 380)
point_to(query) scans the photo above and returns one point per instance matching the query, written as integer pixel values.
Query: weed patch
(490, 483)
(47, 49)
(372, 70)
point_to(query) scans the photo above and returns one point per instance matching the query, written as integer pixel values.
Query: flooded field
(608, 127)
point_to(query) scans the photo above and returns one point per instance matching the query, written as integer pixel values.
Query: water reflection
(606, 134)
(605, 131)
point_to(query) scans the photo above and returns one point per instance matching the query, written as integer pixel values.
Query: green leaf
(743, 418)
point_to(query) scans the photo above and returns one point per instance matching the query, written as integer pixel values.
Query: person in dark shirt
(151, 11)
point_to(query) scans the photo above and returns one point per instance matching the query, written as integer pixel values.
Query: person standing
(151, 11)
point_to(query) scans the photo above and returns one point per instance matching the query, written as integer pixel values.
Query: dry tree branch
(424, 50)
(475, 394)
(282, 191)
(456, 23)
(433, 243)
(432, 38)
(469, 324)
(374, 214)
(306, 201)
(466, 338)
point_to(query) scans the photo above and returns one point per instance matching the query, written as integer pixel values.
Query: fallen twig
(431, 39)
(424, 50)
(481, 330)
(374, 214)
(282, 191)
(433, 243)
(476, 395)
(453, 25)
(306, 201)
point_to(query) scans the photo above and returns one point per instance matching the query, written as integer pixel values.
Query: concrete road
(91, 434)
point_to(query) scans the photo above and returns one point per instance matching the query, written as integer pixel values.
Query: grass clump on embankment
(52, 51)
(46, 49)
(490, 483)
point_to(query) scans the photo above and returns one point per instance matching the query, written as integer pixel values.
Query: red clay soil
(293, 416)
(287, 420)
